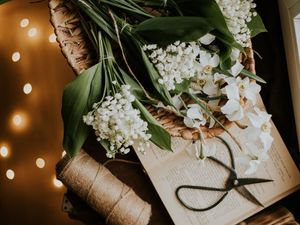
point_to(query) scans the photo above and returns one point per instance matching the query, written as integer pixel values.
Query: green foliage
(78, 98)
(161, 30)
(256, 26)
(160, 136)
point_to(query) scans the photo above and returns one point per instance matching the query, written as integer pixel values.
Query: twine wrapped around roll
(107, 195)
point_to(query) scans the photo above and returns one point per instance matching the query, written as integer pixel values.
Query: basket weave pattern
(76, 48)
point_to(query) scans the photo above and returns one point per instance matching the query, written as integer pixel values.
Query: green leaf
(166, 30)
(135, 89)
(182, 87)
(105, 144)
(96, 15)
(252, 76)
(78, 98)
(154, 75)
(209, 10)
(256, 26)
(160, 136)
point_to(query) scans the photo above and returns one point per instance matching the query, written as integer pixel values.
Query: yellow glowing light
(24, 22)
(63, 153)
(57, 183)
(17, 120)
(4, 151)
(16, 56)
(40, 163)
(32, 32)
(10, 174)
(27, 88)
(52, 38)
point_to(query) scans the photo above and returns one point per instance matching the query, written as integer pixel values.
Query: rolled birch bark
(102, 191)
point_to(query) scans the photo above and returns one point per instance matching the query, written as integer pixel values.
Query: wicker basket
(79, 53)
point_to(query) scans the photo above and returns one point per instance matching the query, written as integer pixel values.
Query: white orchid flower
(219, 77)
(261, 127)
(248, 89)
(204, 83)
(207, 39)
(208, 61)
(254, 157)
(236, 69)
(194, 116)
(233, 109)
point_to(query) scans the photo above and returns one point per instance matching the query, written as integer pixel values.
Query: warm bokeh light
(57, 183)
(40, 163)
(24, 22)
(32, 32)
(10, 174)
(27, 88)
(63, 154)
(17, 120)
(52, 38)
(4, 151)
(16, 56)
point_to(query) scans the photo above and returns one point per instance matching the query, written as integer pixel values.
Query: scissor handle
(200, 188)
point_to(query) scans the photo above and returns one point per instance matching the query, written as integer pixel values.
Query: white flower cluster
(238, 13)
(116, 121)
(174, 63)
(181, 60)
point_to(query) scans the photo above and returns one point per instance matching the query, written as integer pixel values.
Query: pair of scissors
(233, 182)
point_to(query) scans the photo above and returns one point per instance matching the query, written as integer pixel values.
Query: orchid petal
(266, 139)
(236, 69)
(210, 88)
(235, 54)
(255, 120)
(188, 122)
(214, 61)
(232, 91)
(194, 113)
(207, 39)
(253, 165)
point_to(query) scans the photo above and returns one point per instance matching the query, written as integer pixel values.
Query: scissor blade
(246, 181)
(248, 195)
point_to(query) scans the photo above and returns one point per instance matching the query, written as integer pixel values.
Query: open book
(168, 170)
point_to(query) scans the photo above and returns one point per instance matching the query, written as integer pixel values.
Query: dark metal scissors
(233, 182)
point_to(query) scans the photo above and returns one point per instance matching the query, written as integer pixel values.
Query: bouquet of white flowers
(161, 68)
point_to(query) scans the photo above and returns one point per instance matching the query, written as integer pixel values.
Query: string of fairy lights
(19, 120)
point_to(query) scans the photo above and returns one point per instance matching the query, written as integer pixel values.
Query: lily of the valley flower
(261, 127)
(194, 117)
(233, 109)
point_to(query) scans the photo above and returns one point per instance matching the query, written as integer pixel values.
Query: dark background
(31, 198)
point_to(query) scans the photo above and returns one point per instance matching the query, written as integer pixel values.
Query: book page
(168, 170)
